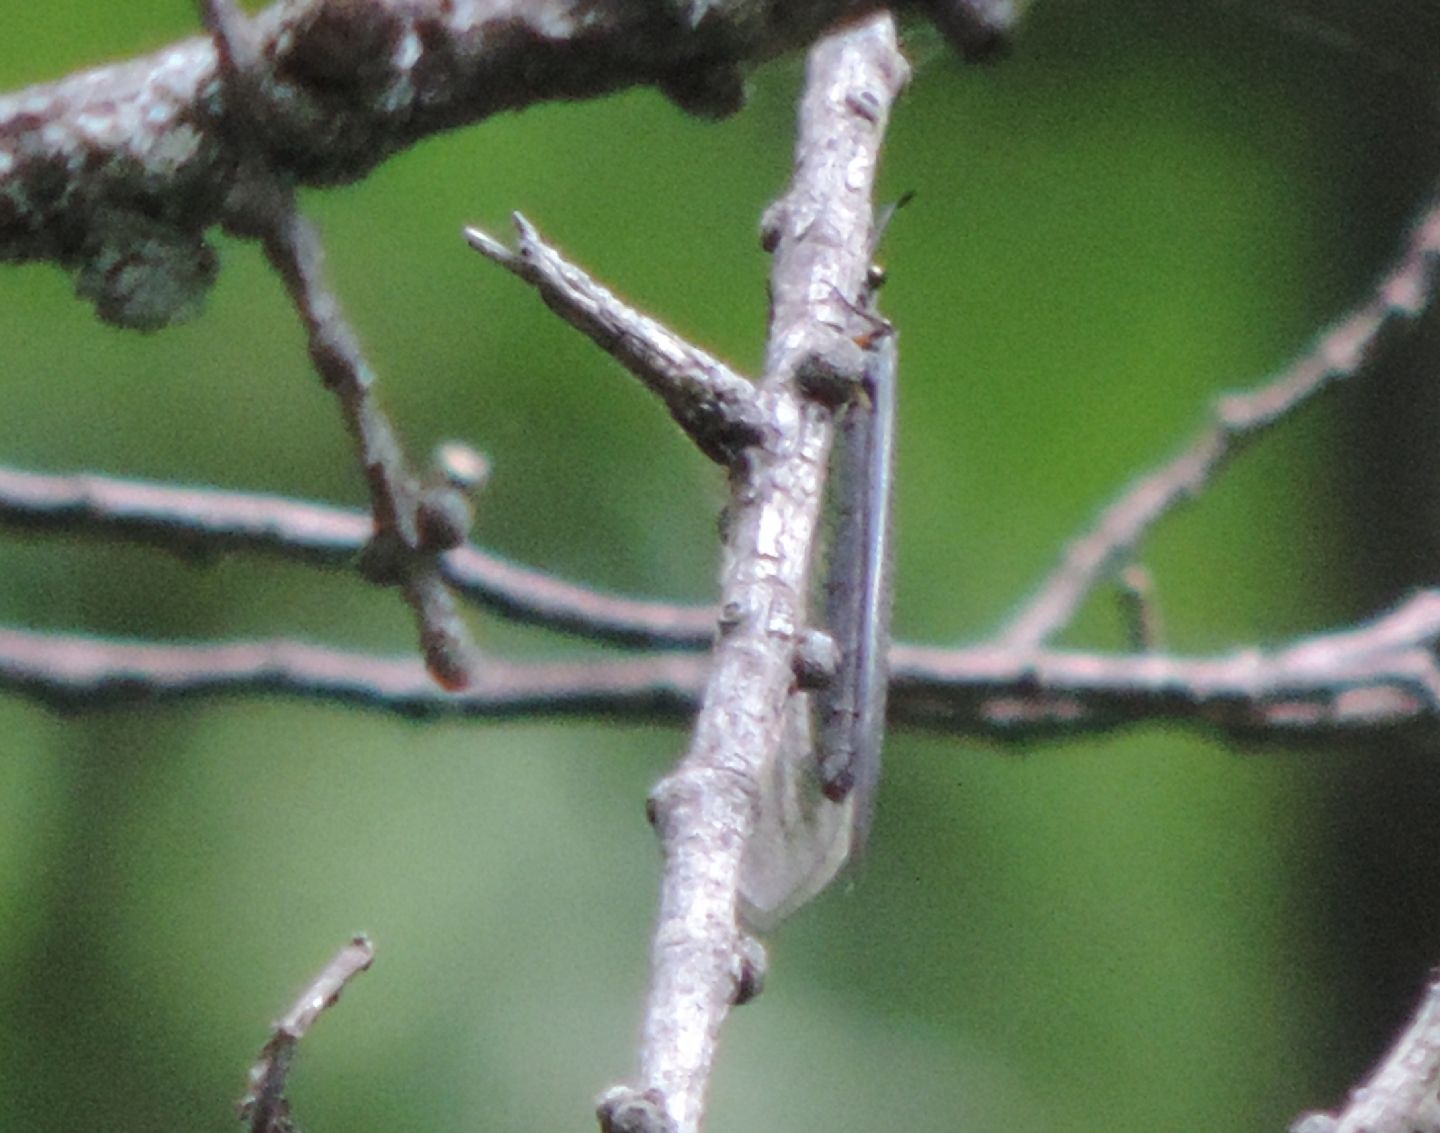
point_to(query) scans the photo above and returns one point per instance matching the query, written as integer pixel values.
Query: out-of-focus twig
(203, 522)
(261, 204)
(264, 1108)
(1239, 420)
(1360, 681)
(118, 172)
(1140, 608)
(78, 673)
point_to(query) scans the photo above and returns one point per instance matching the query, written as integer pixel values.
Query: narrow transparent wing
(801, 838)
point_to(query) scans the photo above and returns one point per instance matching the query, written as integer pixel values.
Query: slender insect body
(851, 711)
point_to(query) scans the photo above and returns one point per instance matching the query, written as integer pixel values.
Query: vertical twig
(705, 812)
(403, 550)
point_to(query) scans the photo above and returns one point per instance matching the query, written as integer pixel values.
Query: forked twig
(1239, 420)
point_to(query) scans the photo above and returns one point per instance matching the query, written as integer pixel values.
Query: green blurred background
(1149, 204)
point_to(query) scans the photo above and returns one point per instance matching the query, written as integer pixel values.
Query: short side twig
(1400, 1096)
(1239, 420)
(262, 205)
(399, 554)
(265, 1109)
(705, 812)
(1140, 608)
(714, 405)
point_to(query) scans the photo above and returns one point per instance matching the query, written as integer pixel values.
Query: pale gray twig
(714, 405)
(78, 673)
(1362, 683)
(1140, 608)
(203, 522)
(1400, 1096)
(265, 1108)
(706, 810)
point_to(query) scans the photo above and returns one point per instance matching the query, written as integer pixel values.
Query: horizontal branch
(75, 672)
(204, 522)
(118, 172)
(715, 406)
(1362, 683)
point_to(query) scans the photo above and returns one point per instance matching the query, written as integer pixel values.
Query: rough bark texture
(118, 172)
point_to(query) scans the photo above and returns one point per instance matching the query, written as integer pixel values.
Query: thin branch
(401, 551)
(264, 1108)
(203, 522)
(706, 810)
(82, 673)
(1239, 420)
(714, 405)
(1362, 683)
(1400, 1096)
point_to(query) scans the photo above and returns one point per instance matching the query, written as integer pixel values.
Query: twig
(399, 554)
(260, 204)
(1140, 608)
(705, 811)
(265, 1109)
(1361, 683)
(1239, 420)
(203, 522)
(78, 673)
(714, 405)
(1400, 1096)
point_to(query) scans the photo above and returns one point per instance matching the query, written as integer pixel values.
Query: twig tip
(487, 245)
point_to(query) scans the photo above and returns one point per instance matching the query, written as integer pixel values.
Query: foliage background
(1149, 204)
